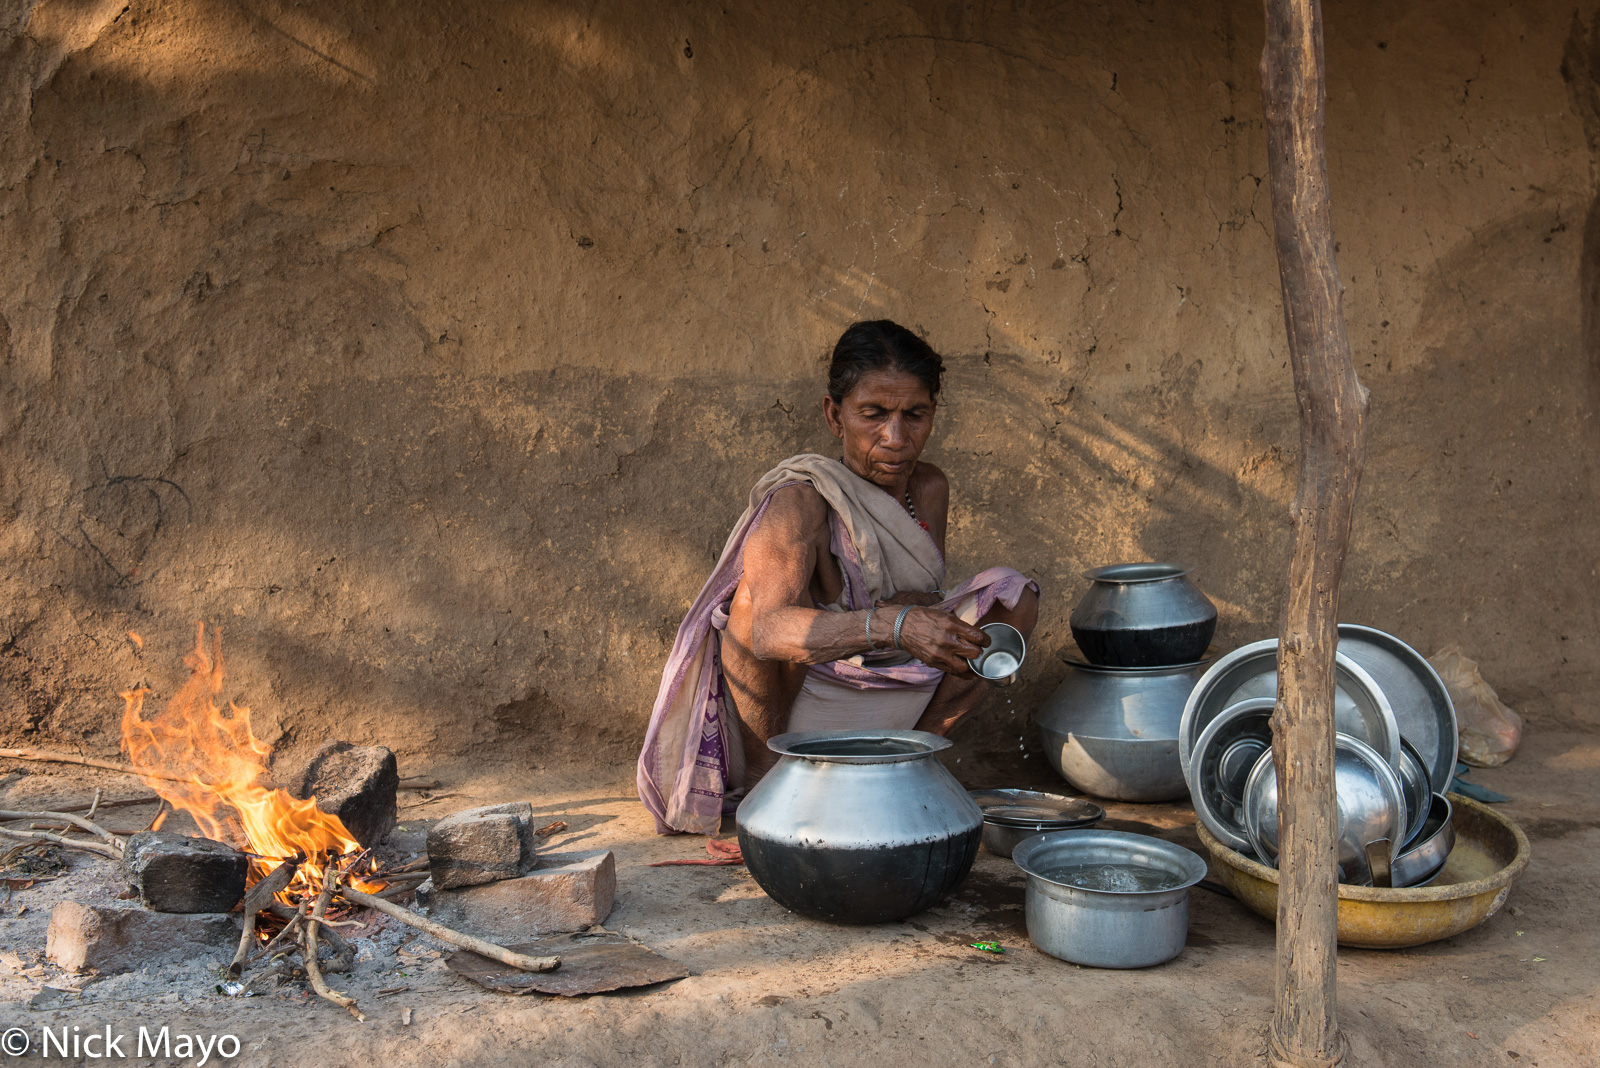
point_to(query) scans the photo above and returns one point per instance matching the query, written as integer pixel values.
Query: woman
(827, 608)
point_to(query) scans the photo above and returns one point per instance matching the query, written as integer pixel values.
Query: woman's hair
(881, 345)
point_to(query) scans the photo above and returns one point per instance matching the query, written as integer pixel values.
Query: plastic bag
(1489, 730)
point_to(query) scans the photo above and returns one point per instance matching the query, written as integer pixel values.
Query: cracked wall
(431, 351)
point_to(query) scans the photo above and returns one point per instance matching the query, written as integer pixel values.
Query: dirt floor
(767, 986)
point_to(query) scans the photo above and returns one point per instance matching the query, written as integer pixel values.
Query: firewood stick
(291, 927)
(83, 806)
(48, 757)
(335, 941)
(65, 817)
(260, 896)
(455, 938)
(330, 879)
(43, 836)
(93, 805)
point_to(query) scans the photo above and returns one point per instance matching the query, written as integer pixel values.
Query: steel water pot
(1143, 615)
(1113, 732)
(859, 826)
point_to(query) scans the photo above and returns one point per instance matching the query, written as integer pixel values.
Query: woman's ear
(831, 414)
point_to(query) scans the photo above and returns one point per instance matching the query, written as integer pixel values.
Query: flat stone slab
(177, 873)
(591, 963)
(481, 845)
(114, 940)
(567, 892)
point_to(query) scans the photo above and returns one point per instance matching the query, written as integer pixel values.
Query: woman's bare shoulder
(930, 481)
(796, 509)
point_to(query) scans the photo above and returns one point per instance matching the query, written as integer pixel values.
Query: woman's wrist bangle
(871, 610)
(899, 621)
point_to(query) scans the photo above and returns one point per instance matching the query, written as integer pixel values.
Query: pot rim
(1152, 669)
(811, 746)
(1130, 574)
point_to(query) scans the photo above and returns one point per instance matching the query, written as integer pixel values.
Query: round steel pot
(858, 826)
(1143, 615)
(1107, 928)
(1113, 732)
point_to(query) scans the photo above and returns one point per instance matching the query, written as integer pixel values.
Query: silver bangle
(899, 621)
(871, 610)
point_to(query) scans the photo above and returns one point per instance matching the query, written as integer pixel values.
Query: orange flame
(210, 765)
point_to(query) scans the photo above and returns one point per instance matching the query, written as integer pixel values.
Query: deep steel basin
(1100, 927)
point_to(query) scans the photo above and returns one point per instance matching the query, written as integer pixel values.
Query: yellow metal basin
(1490, 851)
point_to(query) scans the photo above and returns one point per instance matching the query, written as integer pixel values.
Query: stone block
(567, 892)
(356, 783)
(121, 939)
(480, 845)
(176, 873)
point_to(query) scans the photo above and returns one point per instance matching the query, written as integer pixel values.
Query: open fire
(209, 764)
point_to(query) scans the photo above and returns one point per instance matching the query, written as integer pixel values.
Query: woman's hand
(941, 640)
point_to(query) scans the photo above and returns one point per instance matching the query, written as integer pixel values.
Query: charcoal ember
(176, 873)
(356, 783)
(481, 845)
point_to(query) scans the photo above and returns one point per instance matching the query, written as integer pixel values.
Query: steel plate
(1421, 704)
(1360, 708)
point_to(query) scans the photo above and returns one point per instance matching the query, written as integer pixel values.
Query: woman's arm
(780, 562)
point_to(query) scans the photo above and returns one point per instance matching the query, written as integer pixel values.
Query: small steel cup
(1005, 654)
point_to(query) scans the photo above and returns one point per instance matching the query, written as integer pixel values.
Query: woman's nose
(894, 433)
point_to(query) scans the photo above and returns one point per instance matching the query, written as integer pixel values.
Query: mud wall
(430, 349)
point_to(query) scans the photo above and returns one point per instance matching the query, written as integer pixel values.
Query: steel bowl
(1143, 615)
(1369, 798)
(1113, 732)
(1219, 769)
(1013, 816)
(1418, 792)
(1360, 708)
(1002, 657)
(1102, 927)
(1425, 857)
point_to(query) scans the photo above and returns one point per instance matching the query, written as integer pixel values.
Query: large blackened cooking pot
(862, 826)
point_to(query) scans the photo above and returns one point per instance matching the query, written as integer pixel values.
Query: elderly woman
(827, 609)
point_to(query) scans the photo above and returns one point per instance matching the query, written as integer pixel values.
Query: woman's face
(883, 423)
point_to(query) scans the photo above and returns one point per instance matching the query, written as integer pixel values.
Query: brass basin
(1490, 851)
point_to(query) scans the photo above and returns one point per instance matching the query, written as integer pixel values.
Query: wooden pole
(1333, 408)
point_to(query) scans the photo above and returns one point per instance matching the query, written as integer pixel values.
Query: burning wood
(209, 765)
(330, 880)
